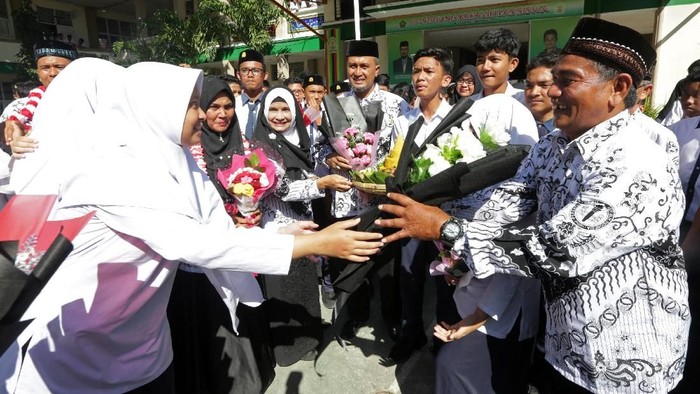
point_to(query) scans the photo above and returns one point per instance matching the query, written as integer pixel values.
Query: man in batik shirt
(606, 244)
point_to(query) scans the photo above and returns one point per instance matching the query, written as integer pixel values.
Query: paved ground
(360, 368)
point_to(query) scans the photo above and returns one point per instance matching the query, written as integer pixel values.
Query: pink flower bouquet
(249, 178)
(359, 148)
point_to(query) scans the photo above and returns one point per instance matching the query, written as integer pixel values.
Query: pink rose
(365, 160)
(369, 138)
(350, 131)
(360, 149)
(354, 162)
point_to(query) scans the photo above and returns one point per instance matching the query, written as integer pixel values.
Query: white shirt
(606, 249)
(675, 115)
(661, 135)
(688, 133)
(405, 121)
(243, 112)
(511, 91)
(103, 312)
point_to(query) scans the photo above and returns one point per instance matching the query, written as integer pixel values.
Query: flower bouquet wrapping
(354, 130)
(32, 248)
(423, 175)
(249, 178)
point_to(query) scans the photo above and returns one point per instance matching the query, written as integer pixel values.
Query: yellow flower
(244, 189)
(392, 159)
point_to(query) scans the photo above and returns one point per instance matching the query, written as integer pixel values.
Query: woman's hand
(335, 182)
(298, 228)
(338, 162)
(452, 332)
(337, 240)
(249, 221)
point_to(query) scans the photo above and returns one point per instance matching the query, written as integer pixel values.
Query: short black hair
(547, 60)
(607, 73)
(293, 80)
(550, 31)
(694, 67)
(382, 79)
(23, 88)
(228, 78)
(501, 40)
(266, 83)
(403, 44)
(441, 55)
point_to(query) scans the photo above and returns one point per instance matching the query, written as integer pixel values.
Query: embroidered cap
(313, 79)
(613, 45)
(362, 48)
(54, 48)
(250, 55)
(340, 87)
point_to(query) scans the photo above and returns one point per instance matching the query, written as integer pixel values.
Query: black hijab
(296, 159)
(218, 147)
(472, 71)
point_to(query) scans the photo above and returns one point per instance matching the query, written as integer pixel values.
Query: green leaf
(254, 160)
(487, 141)
(419, 171)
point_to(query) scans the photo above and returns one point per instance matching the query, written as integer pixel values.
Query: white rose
(445, 139)
(439, 165)
(432, 152)
(470, 146)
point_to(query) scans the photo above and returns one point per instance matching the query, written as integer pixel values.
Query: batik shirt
(606, 250)
(355, 202)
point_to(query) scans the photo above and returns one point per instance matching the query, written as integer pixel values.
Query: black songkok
(362, 48)
(313, 79)
(614, 45)
(340, 87)
(250, 55)
(54, 48)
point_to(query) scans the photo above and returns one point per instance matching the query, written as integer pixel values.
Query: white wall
(678, 45)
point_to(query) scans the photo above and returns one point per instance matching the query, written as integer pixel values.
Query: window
(49, 16)
(110, 31)
(294, 70)
(5, 30)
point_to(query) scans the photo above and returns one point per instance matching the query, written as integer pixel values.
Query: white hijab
(291, 133)
(110, 136)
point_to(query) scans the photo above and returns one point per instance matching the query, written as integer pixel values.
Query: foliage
(650, 109)
(29, 32)
(164, 37)
(250, 22)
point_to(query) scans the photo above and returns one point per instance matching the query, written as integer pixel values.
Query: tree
(164, 37)
(29, 31)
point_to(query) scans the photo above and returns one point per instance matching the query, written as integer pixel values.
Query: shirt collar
(245, 99)
(589, 141)
(372, 96)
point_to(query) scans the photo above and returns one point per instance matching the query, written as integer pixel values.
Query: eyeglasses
(254, 71)
(468, 82)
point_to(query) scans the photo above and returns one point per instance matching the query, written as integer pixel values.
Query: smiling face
(537, 84)
(493, 68)
(581, 98)
(362, 70)
(428, 78)
(220, 113)
(279, 115)
(192, 126)
(465, 85)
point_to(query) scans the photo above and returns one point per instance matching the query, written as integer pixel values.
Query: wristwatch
(451, 231)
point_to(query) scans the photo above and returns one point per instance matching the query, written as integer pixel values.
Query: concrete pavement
(361, 367)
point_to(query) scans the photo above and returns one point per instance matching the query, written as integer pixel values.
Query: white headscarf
(291, 133)
(111, 136)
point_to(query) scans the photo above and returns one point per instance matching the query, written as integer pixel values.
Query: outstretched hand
(452, 332)
(338, 241)
(413, 219)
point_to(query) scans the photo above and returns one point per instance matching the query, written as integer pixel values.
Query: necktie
(252, 116)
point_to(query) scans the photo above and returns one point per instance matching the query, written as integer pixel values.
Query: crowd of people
(576, 274)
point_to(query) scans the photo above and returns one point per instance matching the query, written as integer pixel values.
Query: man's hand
(413, 219)
(19, 140)
(338, 162)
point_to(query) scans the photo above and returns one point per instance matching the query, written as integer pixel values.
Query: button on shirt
(606, 249)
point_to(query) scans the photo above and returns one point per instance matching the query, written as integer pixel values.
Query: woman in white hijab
(110, 144)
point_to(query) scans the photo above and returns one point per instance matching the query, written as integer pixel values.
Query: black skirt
(208, 356)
